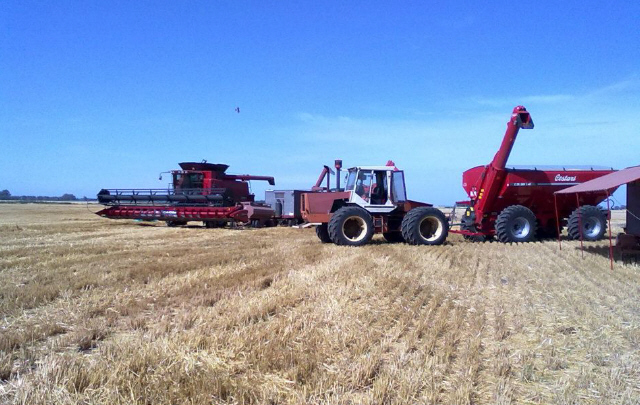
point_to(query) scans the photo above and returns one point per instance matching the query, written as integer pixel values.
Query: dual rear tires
(588, 221)
(215, 224)
(518, 224)
(353, 226)
(322, 232)
(425, 226)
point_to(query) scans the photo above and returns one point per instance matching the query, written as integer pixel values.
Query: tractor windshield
(363, 184)
(351, 179)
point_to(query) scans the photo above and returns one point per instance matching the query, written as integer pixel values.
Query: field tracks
(104, 312)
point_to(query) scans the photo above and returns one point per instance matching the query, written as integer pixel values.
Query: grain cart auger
(517, 204)
(374, 200)
(198, 192)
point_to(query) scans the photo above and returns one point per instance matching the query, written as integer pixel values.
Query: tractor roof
(385, 168)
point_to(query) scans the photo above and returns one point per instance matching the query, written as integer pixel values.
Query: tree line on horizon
(6, 195)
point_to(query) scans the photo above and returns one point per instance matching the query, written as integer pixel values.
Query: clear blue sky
(108, 94)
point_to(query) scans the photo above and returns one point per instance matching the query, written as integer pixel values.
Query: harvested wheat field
(106, 312)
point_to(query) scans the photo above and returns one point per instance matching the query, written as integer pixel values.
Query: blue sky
(108, 94)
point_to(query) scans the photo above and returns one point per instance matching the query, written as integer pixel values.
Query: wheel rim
(430, 229)
(592, 227)
(354, 228)
(520, 228)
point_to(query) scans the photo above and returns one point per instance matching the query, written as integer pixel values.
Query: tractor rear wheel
(593, 220)
(425, 226)
(322, 231)
(516, 224)
(351, 226)
(393, 237)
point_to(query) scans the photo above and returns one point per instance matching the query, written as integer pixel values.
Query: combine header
(517, 204)
(198, 192)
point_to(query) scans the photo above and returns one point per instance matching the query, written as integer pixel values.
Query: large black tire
(467, 223)
(351, 226)
(472, 238)
(393, 237)
(593, 220)
(425, 226)
(215, 224)
(516, 224)
(322, 231)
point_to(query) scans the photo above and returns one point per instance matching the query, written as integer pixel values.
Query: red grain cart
(517, 204)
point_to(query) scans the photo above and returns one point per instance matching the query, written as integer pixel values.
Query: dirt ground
(119, 312)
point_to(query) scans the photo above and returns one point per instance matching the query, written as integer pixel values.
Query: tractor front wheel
(351, 226)
(322, 231)
(516, 224)
(425, 226)
(593, 221)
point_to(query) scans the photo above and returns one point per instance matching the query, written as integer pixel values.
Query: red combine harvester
(517, 205)
(199, 192)
(374, 200)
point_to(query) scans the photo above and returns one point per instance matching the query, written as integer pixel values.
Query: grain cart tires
(322, 231)
(516, 224)
(393, 237)
(425, 226)
(593, 221)
(351, 226)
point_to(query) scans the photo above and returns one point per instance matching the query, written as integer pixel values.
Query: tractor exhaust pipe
(338, 165)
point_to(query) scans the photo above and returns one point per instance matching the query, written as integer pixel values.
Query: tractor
(374, 200)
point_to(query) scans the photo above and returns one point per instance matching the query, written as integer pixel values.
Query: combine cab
(198, 192)
(517, 204)
(374, 200)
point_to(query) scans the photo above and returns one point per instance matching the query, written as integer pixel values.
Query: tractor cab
(376, 188)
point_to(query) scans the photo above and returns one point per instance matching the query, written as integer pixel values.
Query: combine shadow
(383, 242)
(152, 224)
